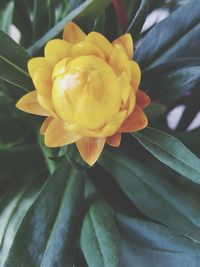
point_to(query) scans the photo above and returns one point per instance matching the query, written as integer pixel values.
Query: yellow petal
(90, 148)
(101, 42)
(29, 103)
(55, 50)
(114, 140)
(72, 33)
(46, 106)
(45, 125)
(38, 63)
(142, 99)
(57, 135)
(60, 67)
(114, 124)
(43, 84)
(135, 75)
(126, 42)
(88, 85)
(125, 87)
(119, 61)
(135, 122)
(131, 103)
(86, 48)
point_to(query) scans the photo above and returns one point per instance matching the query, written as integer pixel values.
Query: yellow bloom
(88, 89)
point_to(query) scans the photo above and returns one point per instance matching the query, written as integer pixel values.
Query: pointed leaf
(154, 236)
(13, 63)
(99, 237)
(171, 152)
(175, 37)
(48, 232)
(139, 18)
(13, 206)
(6, 14)
(149, 244)
(155, 195)
(174, 85)
(86, 12)
(43, 17)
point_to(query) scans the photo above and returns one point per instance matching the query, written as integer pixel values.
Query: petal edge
(56, 135)
(29, 103)
(72, 33)
(114, 140)
(90, 148)
(136, 121)
(126, 42)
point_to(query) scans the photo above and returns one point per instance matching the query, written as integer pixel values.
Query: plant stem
(120, 10)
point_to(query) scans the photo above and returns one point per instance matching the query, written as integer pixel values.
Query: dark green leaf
(172, 86)
(148, 244)
(155, 194)
(13, 206)
(192, 107)
(175, 37)
(139, 18)
(75, 3)
(48, 232)
(154, 236)
(22, 20)
(13, 63)
(6, 14)
(83, 14)
(191, 139)
(43, 17)
(168, 67)
(171, 152)
(154, 110)
(93, 10)
(24, 159)
(99, 236)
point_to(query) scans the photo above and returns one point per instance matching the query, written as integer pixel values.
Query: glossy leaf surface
(48, 232)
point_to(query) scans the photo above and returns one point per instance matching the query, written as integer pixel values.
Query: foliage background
(140, 205)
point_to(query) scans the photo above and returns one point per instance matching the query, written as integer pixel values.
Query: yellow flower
(88, 89)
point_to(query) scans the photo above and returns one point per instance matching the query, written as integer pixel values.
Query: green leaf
(13, 63)
(139, 18)
(155, 194)
(93, 10)
(24, 159)
(168, 67)
(43, 17)
(6, 14)
(48, 154)
(175, 37)
(191, 139)
(150, 244)
(83, 14)
(22, 20)
(171, 152)
(174, 85)
(154, 111)
(75, 3)
(99, 236)
(154, 236)
(13, 206)
(48, 232)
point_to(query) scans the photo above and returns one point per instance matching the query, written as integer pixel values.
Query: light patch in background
(155, 17)
(14, 33)
(174, 116)
(195, 123)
